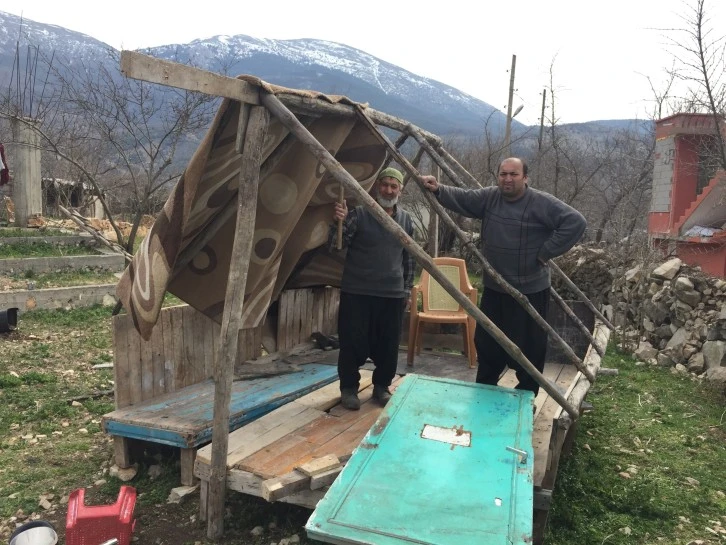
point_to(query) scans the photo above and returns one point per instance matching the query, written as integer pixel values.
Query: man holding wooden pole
(377, 281)
(522, 228)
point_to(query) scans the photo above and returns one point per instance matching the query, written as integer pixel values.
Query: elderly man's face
(511, 179)
(387, 192)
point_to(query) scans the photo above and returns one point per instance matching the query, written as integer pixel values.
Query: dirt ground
(178, 524)
(249, 519)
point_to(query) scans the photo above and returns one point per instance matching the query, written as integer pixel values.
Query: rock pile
(679, 314)
(591, 269)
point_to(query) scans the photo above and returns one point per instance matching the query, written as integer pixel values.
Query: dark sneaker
(381, 395)
(349, 399)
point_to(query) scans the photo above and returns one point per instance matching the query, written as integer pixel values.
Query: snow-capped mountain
(304, 64)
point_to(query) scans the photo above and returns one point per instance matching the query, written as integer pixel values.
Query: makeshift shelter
(250, 219)
(191, 242)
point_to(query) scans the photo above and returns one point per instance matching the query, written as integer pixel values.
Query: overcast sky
(601, 53)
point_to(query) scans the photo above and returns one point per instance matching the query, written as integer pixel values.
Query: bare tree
(700, 63)
(126, 138)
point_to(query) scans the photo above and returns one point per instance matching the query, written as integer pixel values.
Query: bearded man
(377, 280)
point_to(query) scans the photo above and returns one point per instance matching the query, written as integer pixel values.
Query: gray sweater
(516, 235)
(376, 262)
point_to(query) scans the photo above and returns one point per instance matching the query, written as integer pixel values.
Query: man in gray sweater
(521, 228)
(377, 280)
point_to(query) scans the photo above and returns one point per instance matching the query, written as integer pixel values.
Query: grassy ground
(42, 249)
(648, 464)
(50, 445)
(57, 279)
(19, 232)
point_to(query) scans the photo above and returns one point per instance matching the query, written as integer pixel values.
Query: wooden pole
(147, 68)
(506, 286)
(434, 225)
(341, 200)
(227, 353)
(570, 284)
(287, 118)
(103, 240)
(577, 321)
(462, 171)
(399, 143)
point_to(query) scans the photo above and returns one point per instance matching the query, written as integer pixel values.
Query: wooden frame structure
(258, 104)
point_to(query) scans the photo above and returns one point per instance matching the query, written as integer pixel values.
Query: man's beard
(387, 203)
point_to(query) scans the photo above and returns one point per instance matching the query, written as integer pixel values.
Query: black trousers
(368, 327)
(522, 330)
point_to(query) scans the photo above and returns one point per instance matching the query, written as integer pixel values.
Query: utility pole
(508, 132)
(541, 120)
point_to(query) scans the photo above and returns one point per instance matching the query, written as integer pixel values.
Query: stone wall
(676, 315)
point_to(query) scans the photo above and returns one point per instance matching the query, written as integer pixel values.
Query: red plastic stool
(96, 524)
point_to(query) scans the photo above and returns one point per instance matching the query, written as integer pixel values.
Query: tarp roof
(294, 211)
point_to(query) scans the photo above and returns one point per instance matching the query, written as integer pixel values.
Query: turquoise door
(446, 463)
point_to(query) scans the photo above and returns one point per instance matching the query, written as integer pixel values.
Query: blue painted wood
(184, 418)
(399, 487)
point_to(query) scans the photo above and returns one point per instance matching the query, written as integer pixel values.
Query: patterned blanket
(294, 211)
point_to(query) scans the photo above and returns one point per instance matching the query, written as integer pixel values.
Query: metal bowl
(37, 532)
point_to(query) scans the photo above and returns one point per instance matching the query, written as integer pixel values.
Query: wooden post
(339, 240)
(434, 225)
(541, 121)
(226, 355)
(570, 284)
(506, 286)
(400, 142)
(287, 118)
(113, 246)
(462, 171)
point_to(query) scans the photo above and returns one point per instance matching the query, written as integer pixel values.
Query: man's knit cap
(391, 172)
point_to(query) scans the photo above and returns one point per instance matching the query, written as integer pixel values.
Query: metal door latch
(522, 454)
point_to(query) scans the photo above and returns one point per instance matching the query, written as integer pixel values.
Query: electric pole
(541, 120)
(508, 131)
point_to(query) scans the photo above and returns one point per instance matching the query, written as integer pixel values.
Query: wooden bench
(164, 389)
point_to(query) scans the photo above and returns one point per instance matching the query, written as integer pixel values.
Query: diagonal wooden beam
(570, 284)
(335, 169)
(571, 314)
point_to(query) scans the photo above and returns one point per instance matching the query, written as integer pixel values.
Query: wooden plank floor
(316, 425)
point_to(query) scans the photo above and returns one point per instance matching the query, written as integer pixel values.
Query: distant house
(688, 208)
(70, 194)
(67, 193)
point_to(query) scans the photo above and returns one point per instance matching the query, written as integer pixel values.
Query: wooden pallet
(310, 428)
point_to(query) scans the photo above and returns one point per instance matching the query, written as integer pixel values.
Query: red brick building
(688, 208)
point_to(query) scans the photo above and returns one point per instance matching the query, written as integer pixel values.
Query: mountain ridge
(304, 63)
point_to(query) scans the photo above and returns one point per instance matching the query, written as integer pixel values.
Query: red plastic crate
(92, 525)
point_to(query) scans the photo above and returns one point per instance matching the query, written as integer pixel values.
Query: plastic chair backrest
(435, 297)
